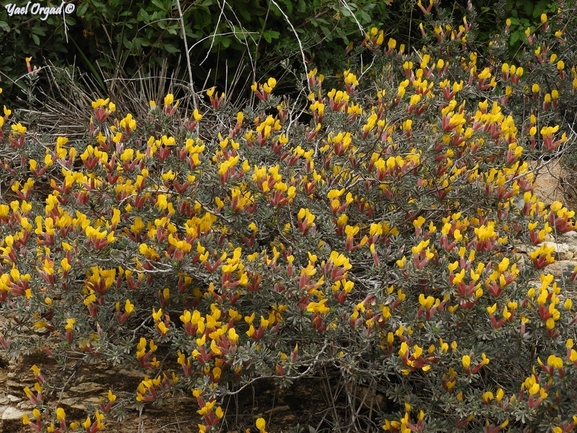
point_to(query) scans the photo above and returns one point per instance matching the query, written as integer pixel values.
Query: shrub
(373, 246)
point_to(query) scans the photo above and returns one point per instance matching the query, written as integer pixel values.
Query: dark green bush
(227, 42)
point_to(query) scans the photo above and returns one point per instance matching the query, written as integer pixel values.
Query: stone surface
(87, 388)
(570, 236)
(561, 268)
(79, 403)
(549, 177)
(12, 413)
(13, 398)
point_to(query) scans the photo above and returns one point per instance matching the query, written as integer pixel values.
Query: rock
(561, 269)
(549, 177)
(15, 385)
(11, 419)
(11, 413)
(92, 400)
(72, 402)
(570, 236)
(130, 373)
(13, 398)
(26, 405)
(87, 388)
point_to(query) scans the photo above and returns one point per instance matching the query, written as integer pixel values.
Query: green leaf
(245, 13)
(36, 39)
(81, 9)
(159, 5)
(143, 16)
(4, 26)
(192, 34)
(515, 36)
(327, 32)
(143, 42)
(239, 33)
(269, 35)
(224, 41)
(345, 12)
(364, 17)
(41, 31)
(174, 29)
(540, 8)
(97, 4)
(302, 6)
(171, 48)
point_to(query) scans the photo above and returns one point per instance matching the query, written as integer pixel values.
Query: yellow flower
(168, 99)
(18, 128)
(35, 370)
(100, 103)
(65, 265)
(111, 396)
(270, 85)
(488, 396)
(162, 328)
(261, 425)
(554, 361)
(70, 324)
(318, 307)
(60, 414)
(128, 306)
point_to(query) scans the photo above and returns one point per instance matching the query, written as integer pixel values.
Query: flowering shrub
(373, 246)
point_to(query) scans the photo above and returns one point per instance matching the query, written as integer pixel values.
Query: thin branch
(298, 40)
(215, 33)
(354, 17)
(188, 65)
